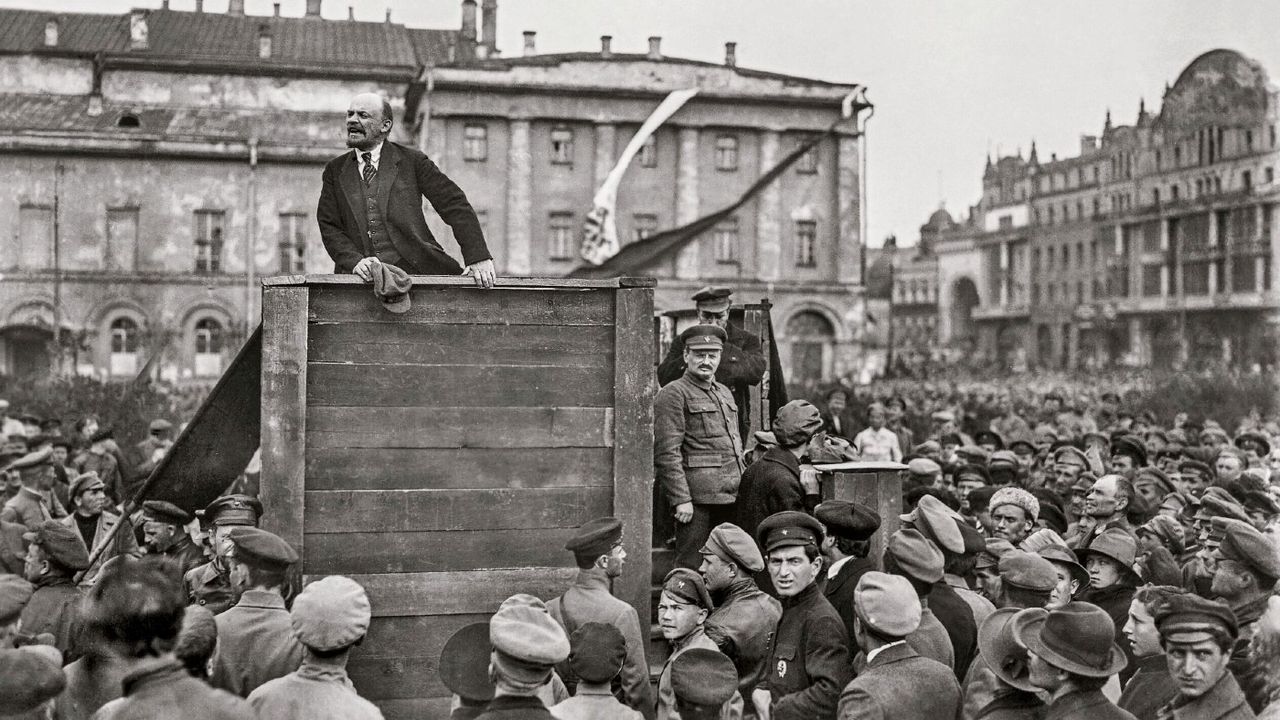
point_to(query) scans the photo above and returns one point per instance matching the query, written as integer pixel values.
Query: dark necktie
(369, 169)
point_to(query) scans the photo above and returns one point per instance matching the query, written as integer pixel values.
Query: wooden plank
(462, 306)
(463, 592)
(544, 283)
(425, 708)
(353, 511)
(349, 385)
(420, 344)
(634, 381)
(401, 552)
(876, 485)
(407, 678)
(460, 468)
(413, 635)
(508, 427)
(284, 416)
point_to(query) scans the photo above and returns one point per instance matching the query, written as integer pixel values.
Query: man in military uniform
(55, 554)
(1246, 569)
(744, 615)
(33, 504)
(1197, 636)
(742, 365)
(256, 642)
(209, 584)
(597, 652)
(597, 550)
(682, 614)
(849, 527)
(527, 645)
(809, 652)
(164, 532)
(697, 452)
(94, 523)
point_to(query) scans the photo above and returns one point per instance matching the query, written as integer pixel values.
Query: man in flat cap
(809, 651)
(330, 617)
(742, 363)
(1151, 687)
(744, 615)
(527, 645)
(897, 682)
(941, 527)
(164, 533)
(94, 522)
(923, 472)
(209, 584)
(597, 551)
(704, 683)
(596, 654)
(1198, 635)
(910, 555)
(137, 609)
(256, 640)
(54, 555)
(772, 484)
(33, 504)
(683, 608)
(849, 527)
(1246, 568)
(697, 451)
(1014, 512)
(30, 677)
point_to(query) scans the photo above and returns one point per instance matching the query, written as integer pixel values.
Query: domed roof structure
(1221, 87)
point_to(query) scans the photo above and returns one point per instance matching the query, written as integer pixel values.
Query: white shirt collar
(872, 655)
(376, 152)
(835, 567)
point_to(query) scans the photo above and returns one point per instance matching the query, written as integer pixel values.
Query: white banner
(600, 231)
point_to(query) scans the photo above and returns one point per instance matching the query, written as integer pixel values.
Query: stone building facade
(1153, 246)
(164, 161)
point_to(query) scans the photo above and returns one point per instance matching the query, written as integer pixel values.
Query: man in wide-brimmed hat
(1015, 698)
(1112, 580)
(1072, 653)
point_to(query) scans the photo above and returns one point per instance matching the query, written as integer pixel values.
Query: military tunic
(592, 704)
(510, 707)
(29, 508)
(209, 587)
(312, 691)
(732, 710)
(742, 365)
(809, 659)
(256, 643)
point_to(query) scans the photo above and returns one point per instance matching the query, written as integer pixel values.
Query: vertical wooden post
(875, 484)
(633, 392)
(284, 411)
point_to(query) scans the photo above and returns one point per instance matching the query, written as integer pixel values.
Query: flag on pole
(600, 230)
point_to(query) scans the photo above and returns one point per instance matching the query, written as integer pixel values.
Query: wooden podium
(875, 484)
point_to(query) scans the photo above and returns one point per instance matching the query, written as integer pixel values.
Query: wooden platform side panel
(634, 387)
(877, 487)
(284, 411)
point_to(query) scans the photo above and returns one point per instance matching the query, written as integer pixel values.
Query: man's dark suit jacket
(839, 591)
(405, 176)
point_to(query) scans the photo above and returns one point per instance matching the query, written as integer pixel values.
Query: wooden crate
(443, 456)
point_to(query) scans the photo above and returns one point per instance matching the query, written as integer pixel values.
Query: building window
(1006, 222)
(1051, 215)
(727, 152)
(648, 155)
(210, 226)
(124, 347)
(1151, 280)
(293, 243)
(812, 346)
(1270, 175)
(726, 239)
(1246, 180)
(122, 238)
(808, 163)
(1173, 193)
(475, 142)
(35, 238)
(209, 340)
(806, 243)
(561, 232)
(644, 225)
(562, 146)
(1248, 140)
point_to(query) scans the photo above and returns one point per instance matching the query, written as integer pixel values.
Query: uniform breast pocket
(701, 418)
(784, 672)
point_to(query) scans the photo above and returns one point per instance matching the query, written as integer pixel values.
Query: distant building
(161, 162)
(1153, 246)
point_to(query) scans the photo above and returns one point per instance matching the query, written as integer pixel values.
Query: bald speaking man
(371, 204)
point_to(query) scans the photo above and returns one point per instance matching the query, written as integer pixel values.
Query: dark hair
(961, 565)
(914, 494)
(138, 606)
(1088, 683)
(196, 641)
(266, 577)
(874, 633)
(386, 109)
(1149, 594)
(1012, 596)
(585, 562)
(853, 548)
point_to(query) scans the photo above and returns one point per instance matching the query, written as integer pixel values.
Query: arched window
(124, 346)
(812, 341)
(209, 340)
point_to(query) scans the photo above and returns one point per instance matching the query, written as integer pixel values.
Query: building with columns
(1153, 246)
(164, 161)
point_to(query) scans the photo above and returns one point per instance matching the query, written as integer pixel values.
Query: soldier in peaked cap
(596, 654)
(1197, 636)
(164, 533)
(330, 616)
(597, 550)
(209, 584)
(809, 652)
(1246, 569)
(464, 669)
(682, 612)
(849, 527)
(1127, 455)
(256, 640)
(744, 615)
(527, 645)
(33, 503)
(742, 363)
(697, 452)
(56, 553)
(704, 682)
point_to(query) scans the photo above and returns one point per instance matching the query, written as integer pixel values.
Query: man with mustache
(371, 204)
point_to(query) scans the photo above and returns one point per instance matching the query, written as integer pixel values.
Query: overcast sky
(950, 79)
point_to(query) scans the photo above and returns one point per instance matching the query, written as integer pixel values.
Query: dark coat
(839, 590)
(209, 587)
(898, 684)
(957, 617)
(741, 366)
(1250, 671)
(1013, 704)
(809, 659)
(1116, 600)
(740, 626)
(507, 707)
(1150, 688)
(54, 608)
(1224, 701)
(405, 176)
(770, 485)
(1085, 705)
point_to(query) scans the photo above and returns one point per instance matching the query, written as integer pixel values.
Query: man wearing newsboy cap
(744, 615)
(91, 519)
(1197, 636)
